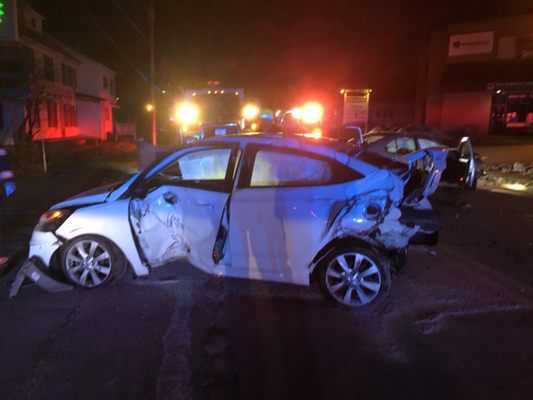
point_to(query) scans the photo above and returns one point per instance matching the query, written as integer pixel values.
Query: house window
(30, 59)
(107, 113)
(49, 73)
(66, 113)
(70, 113)
(33, 23)
(111, 86)
(69, 75)
(52, 114)
(106, 82)
(74, 115)
(36, 119)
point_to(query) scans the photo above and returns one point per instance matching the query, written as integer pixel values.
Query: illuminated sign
(471, 44)
(1, 11)
(356, 107)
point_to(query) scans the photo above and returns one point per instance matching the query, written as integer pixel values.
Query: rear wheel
(354, 277)
(89, 261)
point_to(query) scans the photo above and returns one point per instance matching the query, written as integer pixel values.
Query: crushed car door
(425, 170)
(177, 211)
(280, 211)
(461, 168)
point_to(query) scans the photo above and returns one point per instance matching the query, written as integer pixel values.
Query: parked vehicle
(259, 206)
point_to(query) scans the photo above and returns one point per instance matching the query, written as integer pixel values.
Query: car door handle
(170, 198)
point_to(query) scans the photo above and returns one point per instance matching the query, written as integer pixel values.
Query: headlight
(53, 219)
(250, 111)
(312, 113)
(187, 113)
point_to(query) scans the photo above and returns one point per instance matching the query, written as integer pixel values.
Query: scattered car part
(31, 270)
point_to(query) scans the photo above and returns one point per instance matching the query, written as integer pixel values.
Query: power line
(130, 20)
(112, 41)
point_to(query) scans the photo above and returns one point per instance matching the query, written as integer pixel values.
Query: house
(49, 90)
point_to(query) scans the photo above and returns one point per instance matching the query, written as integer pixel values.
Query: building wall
(453, 106)
(466, 108)
(90, 119)
(98, 82)
(387, 114)
(519, 27)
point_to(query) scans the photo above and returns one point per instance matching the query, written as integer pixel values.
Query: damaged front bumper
(36, 268)
(43, 245)
(33, 269)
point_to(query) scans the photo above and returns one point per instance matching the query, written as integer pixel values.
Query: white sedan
(269, 207)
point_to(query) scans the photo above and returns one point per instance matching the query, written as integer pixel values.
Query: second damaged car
(268, 207)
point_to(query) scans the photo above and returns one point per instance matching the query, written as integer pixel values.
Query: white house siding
(90, 119)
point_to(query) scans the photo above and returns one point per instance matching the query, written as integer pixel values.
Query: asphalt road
(458, 324)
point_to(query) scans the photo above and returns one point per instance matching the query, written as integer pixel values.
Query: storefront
(512, 108)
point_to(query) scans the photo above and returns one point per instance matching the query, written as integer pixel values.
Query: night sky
(279, 51)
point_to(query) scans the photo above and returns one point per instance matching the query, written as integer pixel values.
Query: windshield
(369, 139)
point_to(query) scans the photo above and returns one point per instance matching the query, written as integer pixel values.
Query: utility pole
(151, 23)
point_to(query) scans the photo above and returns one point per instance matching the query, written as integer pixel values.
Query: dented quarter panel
(276, 232)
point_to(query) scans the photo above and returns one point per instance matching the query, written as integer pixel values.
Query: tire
(90, 261)
(354, 277)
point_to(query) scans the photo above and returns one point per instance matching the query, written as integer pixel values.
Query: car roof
(338, 150)
(297, 141)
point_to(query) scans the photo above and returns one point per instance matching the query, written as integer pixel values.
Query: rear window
(282, 169)
(273, 167)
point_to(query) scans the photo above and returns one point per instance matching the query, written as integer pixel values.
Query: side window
(204, 168)
(403, 145)
(272, 168)
(203, 165)
(425, 143)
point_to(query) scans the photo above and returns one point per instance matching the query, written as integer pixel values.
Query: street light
(149, 107)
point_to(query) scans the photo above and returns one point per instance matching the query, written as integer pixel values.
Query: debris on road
(30, 270)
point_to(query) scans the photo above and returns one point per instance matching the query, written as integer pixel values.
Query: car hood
(92, 196)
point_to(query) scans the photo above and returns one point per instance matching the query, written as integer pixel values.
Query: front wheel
(89, 261)
(354, 277)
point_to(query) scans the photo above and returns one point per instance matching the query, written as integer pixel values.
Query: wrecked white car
(464, 167)
(268, 207)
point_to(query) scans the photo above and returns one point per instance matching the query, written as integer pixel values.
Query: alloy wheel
(353, 279)
(88, 263)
